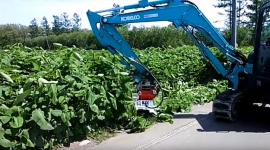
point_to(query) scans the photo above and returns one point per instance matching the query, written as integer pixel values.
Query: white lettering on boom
(128, 18)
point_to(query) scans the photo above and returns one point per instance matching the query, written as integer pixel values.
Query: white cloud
(23, 11)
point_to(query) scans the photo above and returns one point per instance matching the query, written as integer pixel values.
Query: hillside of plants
(58, 85)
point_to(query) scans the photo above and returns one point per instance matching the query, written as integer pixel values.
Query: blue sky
(23, 11)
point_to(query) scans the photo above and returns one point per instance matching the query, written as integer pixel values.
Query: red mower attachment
(147, 94)
(147, 91)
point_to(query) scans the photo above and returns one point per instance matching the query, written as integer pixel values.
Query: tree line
(247, 13)
(67, 30)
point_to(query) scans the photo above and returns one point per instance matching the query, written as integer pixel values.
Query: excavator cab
(260, 78)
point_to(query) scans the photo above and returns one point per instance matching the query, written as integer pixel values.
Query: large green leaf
(94, 108)
(100, 117)
(5, 119)
(91, 97)
(2, 132)
(58, 45)
(22, 96)
(26, 139)
(1, 91)
(56, 113)
(44, 81)
(36, 66)
(28, 83)
(66, 118)
(16, 122)
(113, 100)
(3, 109)
(7, 143)
(7, 77)
(39, 118)
(54, 93)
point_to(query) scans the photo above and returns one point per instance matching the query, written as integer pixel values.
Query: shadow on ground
(256, 120)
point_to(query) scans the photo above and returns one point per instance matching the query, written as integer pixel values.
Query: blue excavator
(248, 77)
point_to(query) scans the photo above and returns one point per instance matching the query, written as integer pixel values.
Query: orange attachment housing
(147, 95)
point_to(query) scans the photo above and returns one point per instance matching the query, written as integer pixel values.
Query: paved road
(197, 130)
(209, 134)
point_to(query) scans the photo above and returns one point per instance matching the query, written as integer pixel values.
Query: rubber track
(224, 103)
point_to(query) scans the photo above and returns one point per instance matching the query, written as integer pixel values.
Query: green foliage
(253, 9)
(33, 28)
(140, 38)
(45, 26)
(187, 77)
(49, 97)
(244, 36)
(13, 33)
(52, 97)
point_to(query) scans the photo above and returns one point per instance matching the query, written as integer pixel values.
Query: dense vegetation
(140, 38)
(51, 97)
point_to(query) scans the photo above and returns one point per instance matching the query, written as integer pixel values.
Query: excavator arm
(182, 14)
